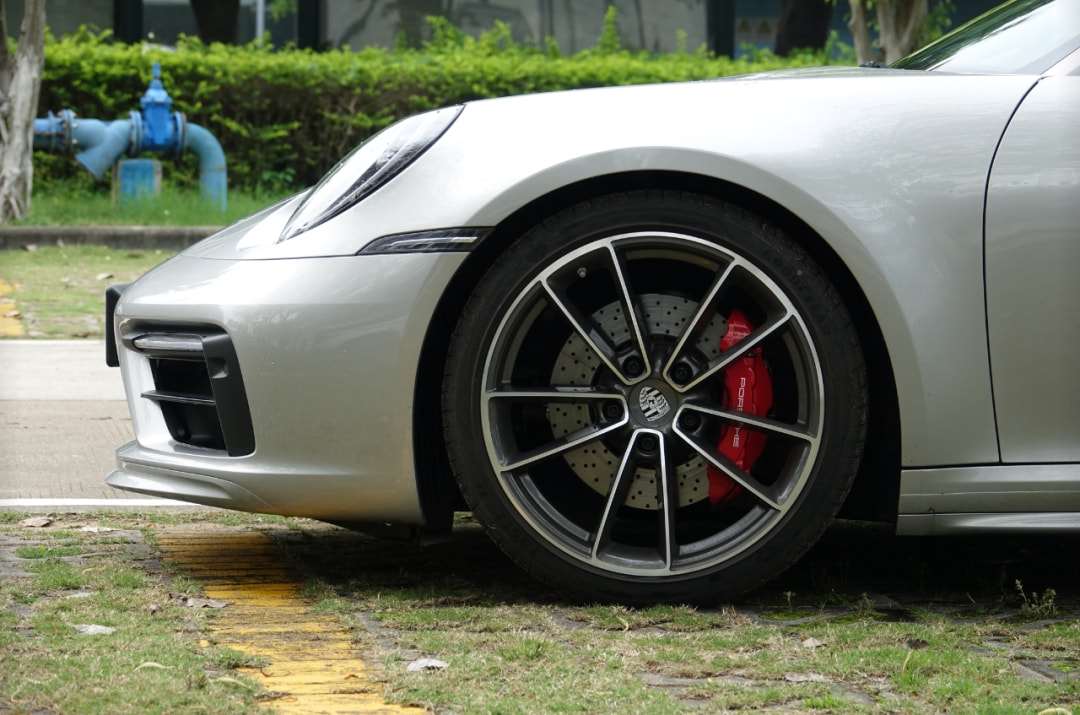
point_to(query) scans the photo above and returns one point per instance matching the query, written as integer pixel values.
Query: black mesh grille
(198, 387)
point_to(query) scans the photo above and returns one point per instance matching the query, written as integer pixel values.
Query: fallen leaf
(812, 643)
(36, 521)
(426, 664)
(89, 629)
(104, 276)
(13, 314)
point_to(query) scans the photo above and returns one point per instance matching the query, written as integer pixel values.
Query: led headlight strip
(368, 167)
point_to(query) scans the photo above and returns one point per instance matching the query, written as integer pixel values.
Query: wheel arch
(875, 493)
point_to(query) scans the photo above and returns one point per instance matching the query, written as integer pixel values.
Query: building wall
(63, 16)
(575, 24)
(653, 25)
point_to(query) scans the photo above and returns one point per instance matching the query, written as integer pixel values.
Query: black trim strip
(112, 297)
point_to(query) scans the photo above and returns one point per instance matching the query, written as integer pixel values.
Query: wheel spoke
(631, 309)
(552, 394)
(669, 502)
(771, 496)
(740, 349)
(762, 424)
(592, 337)
(620, 485)
(765, 493)
(498, 402)
(509, 461)
(703, 309)
(561, 285)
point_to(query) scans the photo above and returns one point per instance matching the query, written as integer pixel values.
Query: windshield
(1019, 37)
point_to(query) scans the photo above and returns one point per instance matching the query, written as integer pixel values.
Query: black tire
(591, 447)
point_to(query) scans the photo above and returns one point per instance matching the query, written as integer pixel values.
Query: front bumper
(279, 386)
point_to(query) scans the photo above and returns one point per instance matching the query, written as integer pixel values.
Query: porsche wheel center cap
(653, 406)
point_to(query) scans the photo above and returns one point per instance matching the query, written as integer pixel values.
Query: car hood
(763, 131)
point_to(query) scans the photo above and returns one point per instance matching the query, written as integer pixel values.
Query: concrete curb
(173, 238)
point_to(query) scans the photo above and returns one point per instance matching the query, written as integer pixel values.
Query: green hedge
(285, 116)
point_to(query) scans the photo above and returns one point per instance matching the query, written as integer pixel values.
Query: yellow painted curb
(313, 666)
(9, 327)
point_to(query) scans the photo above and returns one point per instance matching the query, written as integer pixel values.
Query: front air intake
(198, 387)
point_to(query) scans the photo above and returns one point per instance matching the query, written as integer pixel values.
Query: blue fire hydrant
(154, 129)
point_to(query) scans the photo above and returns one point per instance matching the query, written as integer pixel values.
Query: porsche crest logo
(653, 403)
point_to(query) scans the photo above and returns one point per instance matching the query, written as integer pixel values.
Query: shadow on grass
(970, 571)
(852, 560)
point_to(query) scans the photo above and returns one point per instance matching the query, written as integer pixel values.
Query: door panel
(1033, 277)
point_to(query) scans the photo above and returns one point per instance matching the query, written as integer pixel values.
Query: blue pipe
(51, 133)
(107, 142)
(212, 173)
(155, 129)
(102, 142)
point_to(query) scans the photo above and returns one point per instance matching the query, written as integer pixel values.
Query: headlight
(368, 167)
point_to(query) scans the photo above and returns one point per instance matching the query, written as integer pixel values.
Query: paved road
(63, 414)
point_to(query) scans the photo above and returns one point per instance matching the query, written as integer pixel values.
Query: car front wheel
(655, 397)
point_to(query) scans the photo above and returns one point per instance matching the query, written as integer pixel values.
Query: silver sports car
(655, 338)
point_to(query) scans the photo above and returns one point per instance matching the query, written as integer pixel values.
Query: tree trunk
(900, 24)
(217, 20)
(803, 24)
(860, 32)
(20, 83)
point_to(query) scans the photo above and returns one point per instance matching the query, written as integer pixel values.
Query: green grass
(151, 663)
(514, 646)
(80, 202)
(59, 291)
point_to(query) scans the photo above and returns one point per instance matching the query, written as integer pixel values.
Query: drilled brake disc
(665, 318)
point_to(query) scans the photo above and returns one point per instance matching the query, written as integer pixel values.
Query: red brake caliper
(747, 388)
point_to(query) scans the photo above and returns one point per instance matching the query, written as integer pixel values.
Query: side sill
(974, 524)
(1003, 498)
(991, 489)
